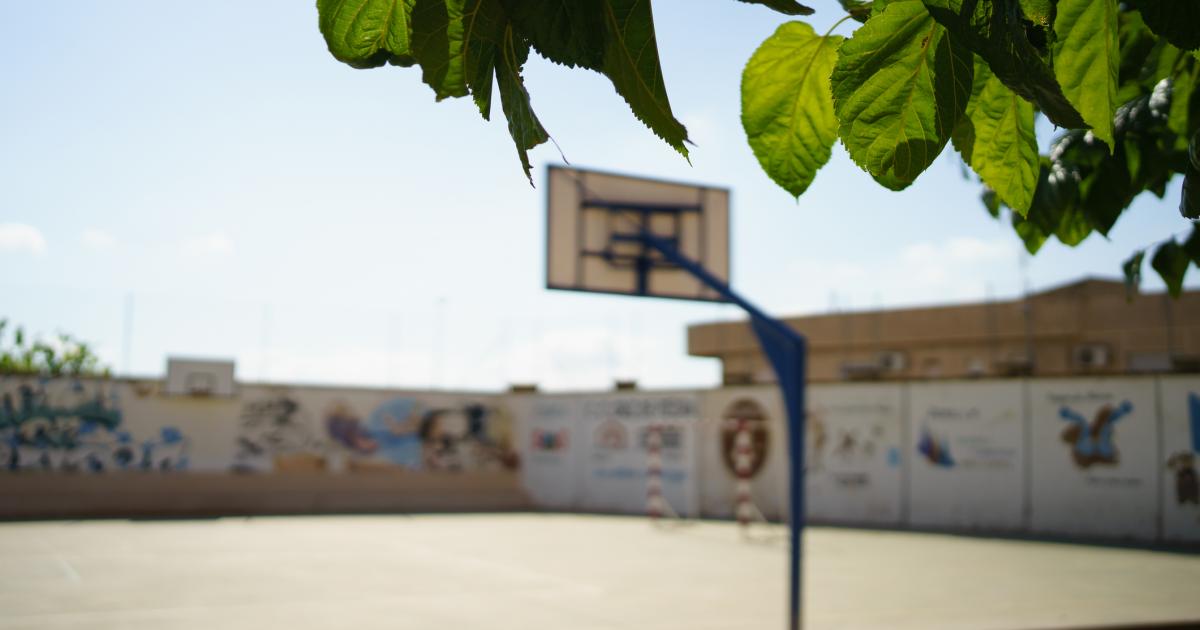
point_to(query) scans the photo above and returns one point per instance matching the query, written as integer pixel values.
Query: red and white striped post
(655, 504)
(743, 466)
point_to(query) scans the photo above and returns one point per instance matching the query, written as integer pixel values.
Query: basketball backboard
(199, 377)
(593, 220)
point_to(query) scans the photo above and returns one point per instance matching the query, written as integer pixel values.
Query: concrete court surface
(559, 572)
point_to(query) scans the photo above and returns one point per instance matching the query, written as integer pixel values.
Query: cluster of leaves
(1119, 79)
(67, 357)
(464, 47)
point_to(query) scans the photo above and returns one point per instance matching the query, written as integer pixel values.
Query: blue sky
(212, 167)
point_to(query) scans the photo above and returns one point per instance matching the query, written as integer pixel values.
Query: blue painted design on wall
(79, 430)
(1092, 443)
(936, 451)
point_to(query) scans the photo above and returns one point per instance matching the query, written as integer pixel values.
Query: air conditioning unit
(1014, 366)
(893, 361)
(1092, 356)
(852, 371)
(195, 377)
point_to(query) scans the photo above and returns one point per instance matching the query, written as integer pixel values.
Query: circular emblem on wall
(744, 421)
(611, 435)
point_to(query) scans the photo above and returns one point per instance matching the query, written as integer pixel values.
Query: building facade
(1089, 327)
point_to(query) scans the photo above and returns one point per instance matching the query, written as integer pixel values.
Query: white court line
(68, 570)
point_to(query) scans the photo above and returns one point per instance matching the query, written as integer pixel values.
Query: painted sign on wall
(614, 430)
(854, 454)
(966, 452)
(1093, 448)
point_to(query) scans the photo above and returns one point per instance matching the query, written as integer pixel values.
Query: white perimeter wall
(1111, 458)
(1091, 458)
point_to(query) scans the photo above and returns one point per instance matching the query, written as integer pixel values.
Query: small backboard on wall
(199, 377)
(593, 219)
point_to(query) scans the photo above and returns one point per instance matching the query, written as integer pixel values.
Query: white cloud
(97, 239)
(960, 249)
(954, 269)
(214, 245)
(20, 237)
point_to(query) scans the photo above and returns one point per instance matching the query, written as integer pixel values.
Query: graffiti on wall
(275, 434)
(76, 426)
(1092, 442)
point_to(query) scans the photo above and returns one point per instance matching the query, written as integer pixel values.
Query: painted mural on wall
(1093, 449)
(77, 426)
(967, 442)
(1181, 451)
(280, 433)
(853, 454)
(405, 433)
(1091, 441)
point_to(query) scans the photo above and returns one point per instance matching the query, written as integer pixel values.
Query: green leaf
(1189, 199)
(631, 63)
(1133, 273)
(439, 35)
(524, 127)
(991, 201)
(860, 10)
(1032, 235)
(1191, 247)
(1184, 85)
(787, 110)
(613, 37)
(1171, 263)
(996, 137)
(1055, 209)
(1039, 12)
(1177, 21)
(1137, 46)
(569, 32)
(787, 7)
(996, 31)
(899, 87)
(484, 23)
(367, 33)
(1086, 61)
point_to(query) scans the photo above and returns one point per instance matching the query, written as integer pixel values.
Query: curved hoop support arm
(787, 350)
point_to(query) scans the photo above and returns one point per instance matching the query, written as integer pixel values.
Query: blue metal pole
(787, 351)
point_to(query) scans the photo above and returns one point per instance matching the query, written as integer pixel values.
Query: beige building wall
(1086, 328)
